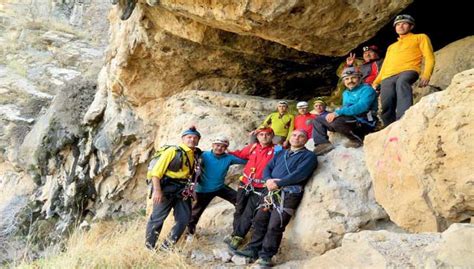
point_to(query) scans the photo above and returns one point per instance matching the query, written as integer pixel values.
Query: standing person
(281, 122)
(372, 63)
(401, 69)
(251, 184)
(214, 165)
(356, 117)
(168, 187)
(286, 175)
(304, 119)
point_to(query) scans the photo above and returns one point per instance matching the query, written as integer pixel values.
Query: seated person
(356, 117)
(319, 109)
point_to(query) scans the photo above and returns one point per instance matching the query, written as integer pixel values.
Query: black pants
(396, 95)
(203, 200)
(245, 208)
(269, 226)
(345, 125)
(181, 211)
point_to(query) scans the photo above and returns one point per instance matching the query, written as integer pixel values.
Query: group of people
(268, 194)
(277, 163)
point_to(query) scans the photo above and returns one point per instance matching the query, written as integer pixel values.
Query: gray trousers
(182, 215)
(396, 95)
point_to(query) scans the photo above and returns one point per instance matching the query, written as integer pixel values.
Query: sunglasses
(350, 73)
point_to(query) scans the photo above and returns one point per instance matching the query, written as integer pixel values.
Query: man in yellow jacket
(402, 67)
(281, 122)
(168, 186)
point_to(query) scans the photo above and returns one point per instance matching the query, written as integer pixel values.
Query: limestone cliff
(206, 63)
(271, 49)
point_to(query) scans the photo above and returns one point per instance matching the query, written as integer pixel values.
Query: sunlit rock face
(421, 165)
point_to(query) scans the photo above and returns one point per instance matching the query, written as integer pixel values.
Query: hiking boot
(189, 238)
(149, 246)
(322, 149)
(127, 12)
(153, 3)
(247, 252)
(352, 144)
(264, 262)
(233, 241)
(167, 245)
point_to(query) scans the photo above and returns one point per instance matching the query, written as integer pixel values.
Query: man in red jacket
(304, 119)
(251, 184)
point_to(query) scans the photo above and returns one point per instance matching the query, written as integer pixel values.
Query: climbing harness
(189, 190)
(275, 200)
(249, 188)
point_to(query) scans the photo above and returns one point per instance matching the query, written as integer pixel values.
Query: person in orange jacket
(402, 67)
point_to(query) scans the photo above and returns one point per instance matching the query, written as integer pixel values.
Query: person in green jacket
(281, 122)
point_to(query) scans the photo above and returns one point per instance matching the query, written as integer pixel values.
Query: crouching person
(169, 189)
(285, 175)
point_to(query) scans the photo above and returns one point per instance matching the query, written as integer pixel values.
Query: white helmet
(221, 140)
(302, 104)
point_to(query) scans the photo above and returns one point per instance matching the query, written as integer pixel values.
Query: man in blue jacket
(356, 118)
(214, 165)
(285, 176)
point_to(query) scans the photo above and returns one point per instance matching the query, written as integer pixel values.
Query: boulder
(383, 249)
(421, 165)
(450, 60)
(213, 113)
(339, 199)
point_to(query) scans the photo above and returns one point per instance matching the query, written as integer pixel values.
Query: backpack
(174, 165)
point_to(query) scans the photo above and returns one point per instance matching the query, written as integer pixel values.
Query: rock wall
(320, 27)
(237, 46)
(421, 165)
(40, 51)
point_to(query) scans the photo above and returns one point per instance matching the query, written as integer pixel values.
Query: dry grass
(111, 244)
